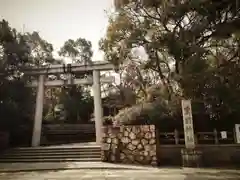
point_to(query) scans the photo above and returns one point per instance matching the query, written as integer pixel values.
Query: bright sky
(59, 20)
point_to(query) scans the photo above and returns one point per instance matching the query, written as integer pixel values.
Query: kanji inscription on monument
(188, 124)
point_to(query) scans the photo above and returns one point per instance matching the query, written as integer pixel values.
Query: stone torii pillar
(37, 125)
(98, 111)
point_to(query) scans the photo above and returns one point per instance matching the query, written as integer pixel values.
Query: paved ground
(120, 175)
(103, 171)
(16, 167)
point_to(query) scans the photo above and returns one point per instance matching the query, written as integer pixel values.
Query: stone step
(50, 160)
(52, 142)
(50, 156)
(51, 153)
(63, 150)
(67, 139)
(59, 147)
(55, 149)
(59, 153)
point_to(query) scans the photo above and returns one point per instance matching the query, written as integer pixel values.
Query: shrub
(144, 113)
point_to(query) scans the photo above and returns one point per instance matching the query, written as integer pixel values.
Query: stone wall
(129, 144)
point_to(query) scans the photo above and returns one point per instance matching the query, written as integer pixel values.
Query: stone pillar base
(191, 157)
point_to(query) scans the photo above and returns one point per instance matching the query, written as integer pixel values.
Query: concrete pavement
(98, 171)
(119, 175)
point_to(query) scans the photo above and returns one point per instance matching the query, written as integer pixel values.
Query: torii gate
(41, 72)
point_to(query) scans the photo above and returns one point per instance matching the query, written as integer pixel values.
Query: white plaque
(188, 124)
(224, 134)
(237, 130)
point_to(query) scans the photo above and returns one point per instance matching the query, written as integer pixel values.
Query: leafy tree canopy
(193, 45)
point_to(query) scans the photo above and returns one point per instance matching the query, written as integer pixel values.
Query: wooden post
(215, 136)
(234, 135)
(196, 138)
(237, 133)
(176, 136)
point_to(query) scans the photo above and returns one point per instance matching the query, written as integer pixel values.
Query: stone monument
(191, 157)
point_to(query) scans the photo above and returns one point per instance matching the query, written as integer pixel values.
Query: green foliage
(78, 104)
(198, 39)
(13, 48)
(80, 50)
(17, 102)
(15, 98)
(40, 50)
(155, 110)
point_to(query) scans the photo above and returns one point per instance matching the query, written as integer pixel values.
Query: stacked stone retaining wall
(129, 144)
